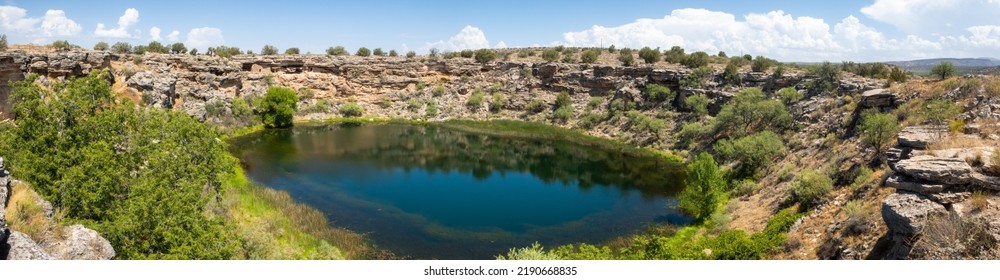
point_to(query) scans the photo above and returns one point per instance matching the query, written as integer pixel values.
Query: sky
(807, 31)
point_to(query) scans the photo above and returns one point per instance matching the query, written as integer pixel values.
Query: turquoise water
(429, 192)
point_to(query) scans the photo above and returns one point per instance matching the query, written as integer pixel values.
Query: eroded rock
(878, 98)
(904, 183)
(905, 212)
(920, 136)
(20, 246)
(81, 243)
(936, 169)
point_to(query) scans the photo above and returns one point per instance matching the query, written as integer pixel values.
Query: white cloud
(55, 23)
(500, 45)
(470, 38)
(154, 33)
(128, 19)
(15, 19)
(928, 17)
(174, 36)
(204, 37)
(983, 36)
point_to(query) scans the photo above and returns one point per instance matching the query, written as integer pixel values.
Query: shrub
(750, 112)
(378, 52)
(944, 70)
(414, 104)
(269, 50)
(533, 252)
(536, 106)
(292, 51)
(590, 119)
(338, 51)
(789, 95)
(745, 187)
(475, 100)
(674, 55)
(722, 54)
(878, 130)
(702, 191)
(697, 77)
(363, 52)
(437, 91)
(864, 174)
(953, 237)
(178, 48)
(393, 53)
(225, 51)
(194, 51)
(277, 107)
(61, 45)
(411, 54)
(563, 100)
(695, 60)
(691, 131)
(761, 64)
(731, 75)
(940, 111)
(611, 49)
(810, 187)
(996, 160)
(697, 103)
(100, 46)
(640, 122)
(467, 53)
(550, 55)
(649, 55)
(241, 108)
(752, 152)
(352, 109)
(656, 94)
(497, 102)
(563, 114)
(590, 56)
(485, 55)
(626, 57)
(3, 42)
(121, 47)
(827, 76)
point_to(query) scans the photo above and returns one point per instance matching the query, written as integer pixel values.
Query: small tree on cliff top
(277, 107)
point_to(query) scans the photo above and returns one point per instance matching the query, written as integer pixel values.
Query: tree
(732, 74)
(61, 45)
(3, 42)
(467, 53)
(674, 55)
(178, 48)
(590, 56)
(752, 152)
(156, 47)
(697, 103)
(656, 94)
(278, 107)
(703, 188)
(101, 46)
(378, 52)
(944, 70)
(485, 55)
(338, 51)
(269, 50)
(121, 47)
(878, 130)
(940, 111)
(789, 95)
(761, 64)
(649, 55)
(625, 56)
(363, 52)
(393, 53)
(722, 54)
(193, 51)
(810, 187)
(695, 60)
(411, 54)
(292, 51)
(750, 112)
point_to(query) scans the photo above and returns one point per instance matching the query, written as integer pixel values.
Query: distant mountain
(963, 64)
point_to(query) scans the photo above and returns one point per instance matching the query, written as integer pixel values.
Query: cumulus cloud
(174, 36)
(154, 33)
(983, 36)
(15, 19)
(933, 17)
(128, 19)
(55, 23)
(500, 45)
(204, 37)
(469, 38)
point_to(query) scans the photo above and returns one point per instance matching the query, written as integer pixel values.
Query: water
(430, 192)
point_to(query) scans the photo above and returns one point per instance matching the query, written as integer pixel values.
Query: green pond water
(430, 192)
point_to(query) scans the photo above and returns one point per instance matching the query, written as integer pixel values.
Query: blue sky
(788, 30)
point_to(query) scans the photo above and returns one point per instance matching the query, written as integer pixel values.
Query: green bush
(393, 53)
(703, 187)
(745, 187)
(411, 54)
(536, 106)
(940, 111)
(878, 130)
(656, 94)
(563, 114)
(3, 42)
(810, 187)
(269, 50)
(697, 77)
(695, 60)
(278, 107)
(363, 52)
(751, 112)
(944, 70)
(550, 55)
(674, 55)
(697, 103)
(352, 109)
(432, 109)
(338, 51)
(626, 57)
(241, 108)
(61, 45)
(475, 100)
(533, 252)
(761, 64)
(611, 49)
(563, 100)
(292, 51)
(437, 91)
(731, 75)
(789, 95)
(121, 47)
(497, 102)
(590, 56)
(378, 52)
(639, 122)
(827, 76)
(178, 48)
(752, 152)
(485, 55)
(590, 119)
(100, 46)
(467, 53)
(649, 55)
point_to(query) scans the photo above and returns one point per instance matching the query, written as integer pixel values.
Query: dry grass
(959, 141)
(992, 87)
(949, 237)
(26, 215)
(979, 201)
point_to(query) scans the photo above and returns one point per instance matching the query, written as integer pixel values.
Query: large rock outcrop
(81, 243)
(906, 212)
(20, 246)
(952, 171)
(919, 137)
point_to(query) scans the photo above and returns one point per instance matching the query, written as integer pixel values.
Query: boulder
(952, 171)
(920, 136)
(19, 246)
(878, 98)
(909, 184)
(81, 243)
(905, 212)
